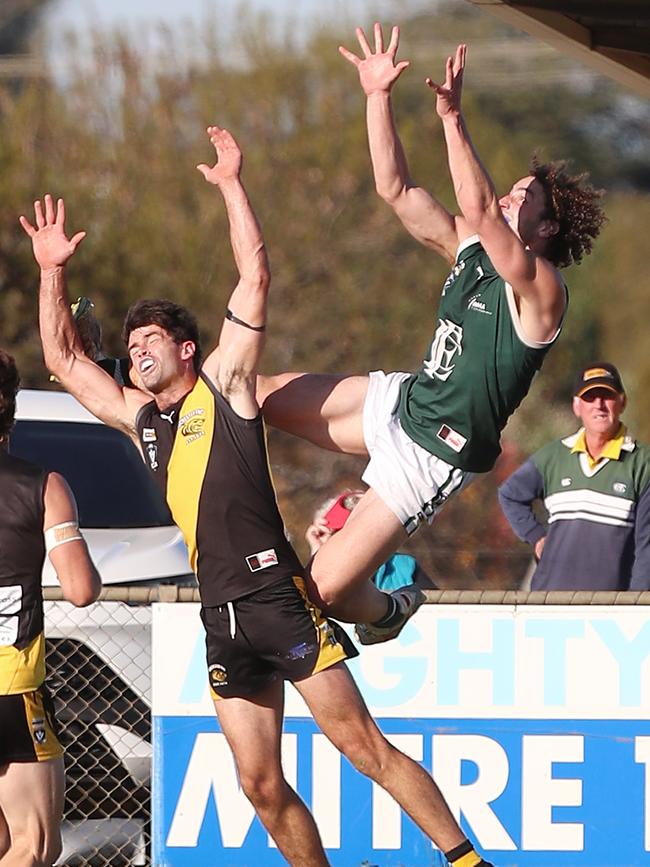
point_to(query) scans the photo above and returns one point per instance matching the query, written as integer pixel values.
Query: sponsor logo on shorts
(300, 651)
(328, 635)
(217, 675)
(452, 438)
(262, 560)
(38, 730)
(149, 435)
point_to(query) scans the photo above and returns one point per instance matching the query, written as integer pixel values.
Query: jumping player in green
(500, 312)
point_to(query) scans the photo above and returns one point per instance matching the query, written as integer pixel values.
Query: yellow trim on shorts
(22, 670)
(330, 651)
(46, 744)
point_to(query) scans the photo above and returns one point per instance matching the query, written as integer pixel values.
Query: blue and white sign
(534, 720)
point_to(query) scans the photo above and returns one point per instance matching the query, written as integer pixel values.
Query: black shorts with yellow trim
(273, 633)
(28, 729)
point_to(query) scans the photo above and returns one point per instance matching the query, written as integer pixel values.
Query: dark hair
(573, 203)
(177, 321)
(9, 382)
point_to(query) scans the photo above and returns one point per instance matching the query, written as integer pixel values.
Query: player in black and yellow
(37, 514)
(202, 437)
(211, 464)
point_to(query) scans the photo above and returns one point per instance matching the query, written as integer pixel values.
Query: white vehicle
(99, 658)
(123, 518)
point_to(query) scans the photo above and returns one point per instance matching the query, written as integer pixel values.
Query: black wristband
(231, 316)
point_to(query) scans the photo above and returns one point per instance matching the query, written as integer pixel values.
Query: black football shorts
(275, 632)
(28, 729)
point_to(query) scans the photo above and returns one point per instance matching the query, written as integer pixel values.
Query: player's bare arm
(67, 548)
(422, 215)
(62, 348)
(536, 282)
(232, 366)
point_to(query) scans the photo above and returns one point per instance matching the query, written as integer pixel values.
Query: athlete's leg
(252, 728)
(325, 409)
(5, 839)
(31, 803)
(338, 575)
(340, 711)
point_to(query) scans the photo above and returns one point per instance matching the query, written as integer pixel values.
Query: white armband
(59, 534)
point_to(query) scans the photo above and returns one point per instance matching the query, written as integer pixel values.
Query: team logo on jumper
(619, 487)
(217, 675)
(452, 438)
(262, 560)
(455, 272)
(191, 425)
(149, 435)
(475, 303)
(38, 730)
(152, 454)
(446, 345)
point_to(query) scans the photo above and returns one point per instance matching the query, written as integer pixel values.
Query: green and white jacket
(598, 535)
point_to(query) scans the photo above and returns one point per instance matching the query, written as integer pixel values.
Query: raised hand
(229, 157)
(377, 72)
(448, 94)
(52, 248)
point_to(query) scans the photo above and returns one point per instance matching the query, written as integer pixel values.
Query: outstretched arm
(62, 348)
(536, 283)
(232, 366)
(422, 215)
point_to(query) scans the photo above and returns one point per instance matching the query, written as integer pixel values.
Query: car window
(111, 484)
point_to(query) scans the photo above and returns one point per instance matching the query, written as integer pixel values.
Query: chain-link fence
(99, 672)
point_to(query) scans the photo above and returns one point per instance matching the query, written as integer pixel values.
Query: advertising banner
(535, 721)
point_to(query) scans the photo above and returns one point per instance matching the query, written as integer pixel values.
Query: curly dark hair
(9, 382)
(177, 321)
(573, 203)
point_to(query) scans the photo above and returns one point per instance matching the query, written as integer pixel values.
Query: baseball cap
(600, 374)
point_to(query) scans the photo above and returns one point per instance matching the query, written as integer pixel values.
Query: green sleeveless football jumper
(478, 369)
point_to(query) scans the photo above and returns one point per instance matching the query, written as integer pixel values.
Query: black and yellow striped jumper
(27, 727)
(212, 467)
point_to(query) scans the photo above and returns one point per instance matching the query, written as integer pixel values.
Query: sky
(80, 14)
